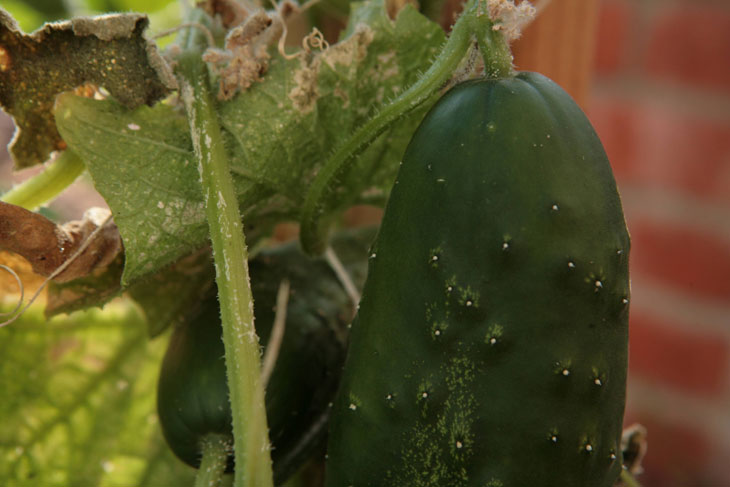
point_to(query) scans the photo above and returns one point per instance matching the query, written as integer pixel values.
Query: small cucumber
(192, 398)
(491, 343)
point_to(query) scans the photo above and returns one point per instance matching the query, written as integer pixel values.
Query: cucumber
(491, 343)
(192, 399)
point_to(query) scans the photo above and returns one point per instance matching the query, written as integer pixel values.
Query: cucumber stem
(495, 52)
(472, 25)
(215, 450)
(46, 185)
(242, 350)
(629, 479)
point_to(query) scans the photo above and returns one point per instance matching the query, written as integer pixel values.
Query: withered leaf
(47, 246)
(10, 289)
(165, 297)
(107, 51)
(94, 289)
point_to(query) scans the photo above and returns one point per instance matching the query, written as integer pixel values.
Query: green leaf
(278, 134)
(78, 403)
(284, 130)
(142, 163)
(108, 51)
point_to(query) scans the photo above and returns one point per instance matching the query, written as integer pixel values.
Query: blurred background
(654, 78)
(660, 101)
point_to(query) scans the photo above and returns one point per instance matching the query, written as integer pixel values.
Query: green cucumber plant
(202, 151)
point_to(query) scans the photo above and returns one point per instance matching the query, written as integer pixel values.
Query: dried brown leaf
(95, 289)
(47, 246)
(107, 51)
(231, 12)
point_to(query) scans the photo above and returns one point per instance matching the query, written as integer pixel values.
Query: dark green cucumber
(192, 390)
(490, 348)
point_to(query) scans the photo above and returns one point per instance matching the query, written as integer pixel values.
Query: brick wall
(660, 101)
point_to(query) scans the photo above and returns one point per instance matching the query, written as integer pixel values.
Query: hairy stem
(242, 351)
(496, 54)
(472, 25)
(629, 479)
(213, 464)
(46, 185)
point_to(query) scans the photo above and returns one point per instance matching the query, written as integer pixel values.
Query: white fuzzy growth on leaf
(510, 18)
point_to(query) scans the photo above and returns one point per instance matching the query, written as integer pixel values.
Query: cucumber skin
(491, 343)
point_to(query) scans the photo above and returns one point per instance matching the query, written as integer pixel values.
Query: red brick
(681, 257)
(657, 146)
(677, 454)
(614, 19)
(680, 358)
(615, 121)
(691, 44)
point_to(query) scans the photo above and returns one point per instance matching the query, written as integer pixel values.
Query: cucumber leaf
(142, 163)
(279, 132)
(285, 131)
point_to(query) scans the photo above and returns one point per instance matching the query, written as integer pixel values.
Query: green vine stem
(213, 463)
(47, 184)
(242, 350)
(628, 479)
(473, 24)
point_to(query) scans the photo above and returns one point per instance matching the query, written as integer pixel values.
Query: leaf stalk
(49, 183)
